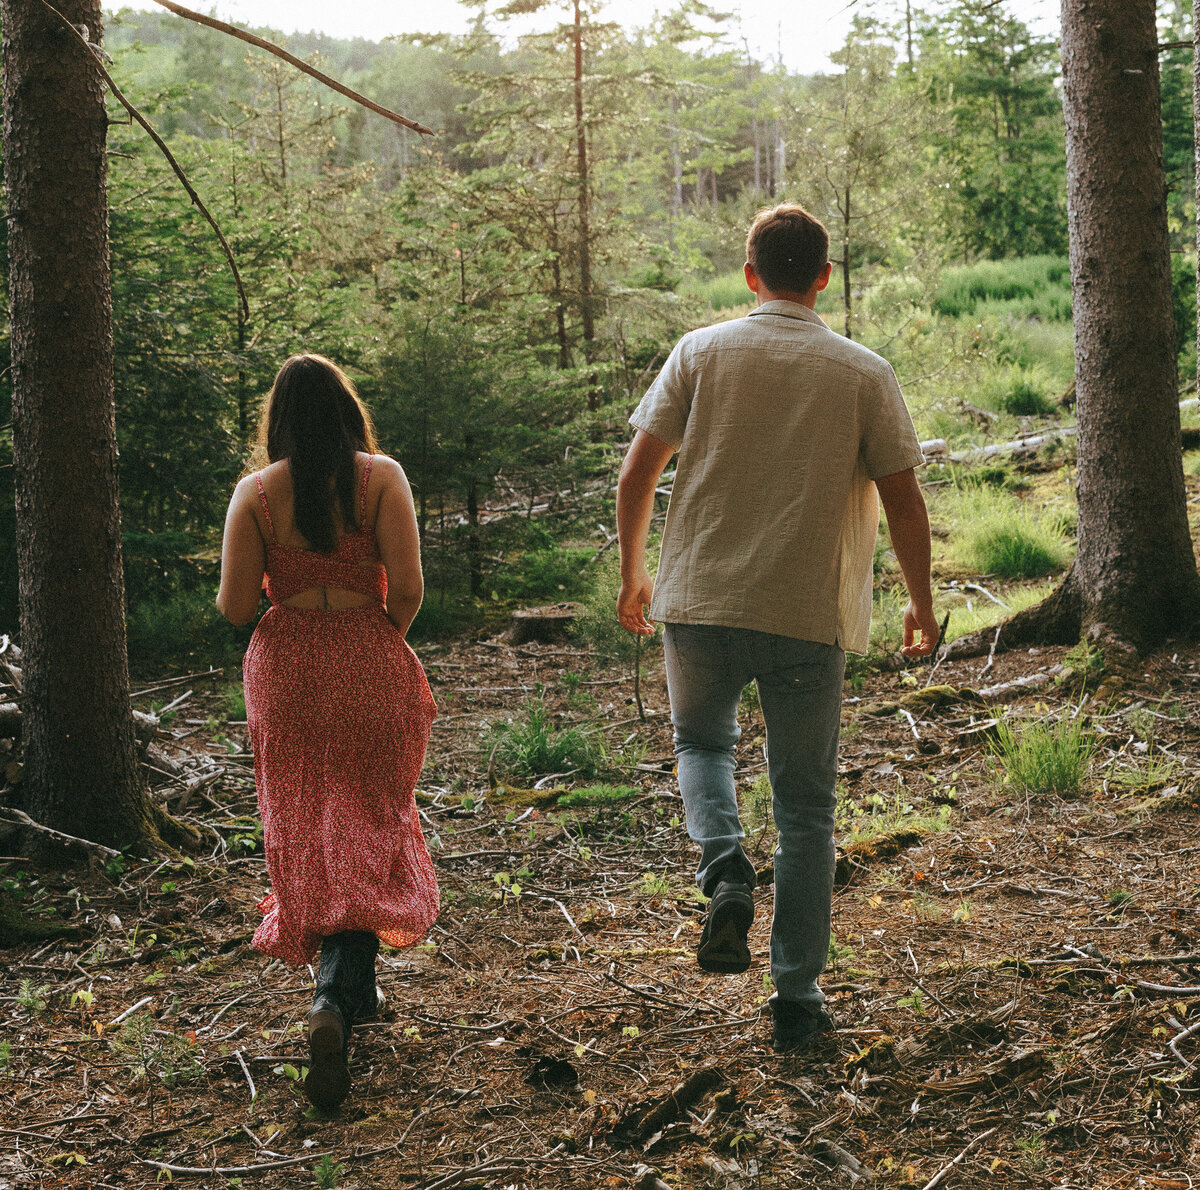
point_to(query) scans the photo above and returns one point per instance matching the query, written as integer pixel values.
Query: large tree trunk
(1134, 576)
(81, 773)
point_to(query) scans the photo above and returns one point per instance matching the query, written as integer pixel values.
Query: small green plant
(1085, 661)
(926, 906)
(1152, 772)
(838, 953)
(655, 885)
(915, 1001)
(1143, 723)
(1119, 897)
(532, 745)
(165, 717)
(749, 702)
(233, 702)
(756, 801)
(1032, 1152)
(328, 1172)
(33, 998)
(247, 836)
(154, 1055)
(5, 1056)
(1046, 759)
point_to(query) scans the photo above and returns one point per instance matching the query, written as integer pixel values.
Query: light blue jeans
(800, 691)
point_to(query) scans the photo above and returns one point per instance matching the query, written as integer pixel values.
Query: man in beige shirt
(786, 432)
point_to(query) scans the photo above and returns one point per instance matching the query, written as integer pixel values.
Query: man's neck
(808, 299)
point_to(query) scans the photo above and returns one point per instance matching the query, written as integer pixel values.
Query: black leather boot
(345, 991)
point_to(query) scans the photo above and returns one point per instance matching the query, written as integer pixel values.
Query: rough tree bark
(81, 774)
(1134, 576)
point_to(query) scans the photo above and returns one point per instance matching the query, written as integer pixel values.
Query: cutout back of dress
(353, 566)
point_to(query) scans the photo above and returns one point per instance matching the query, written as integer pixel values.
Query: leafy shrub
(233, 702)
(532, 745)
(1026, 399)
(437, 619)
(1041, 759)
(597, 627)
(543, 574)
(181, 625)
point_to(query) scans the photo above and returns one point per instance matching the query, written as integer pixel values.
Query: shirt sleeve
(889, 441)
(663, 411)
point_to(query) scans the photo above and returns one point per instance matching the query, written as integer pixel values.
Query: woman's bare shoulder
(386, 469)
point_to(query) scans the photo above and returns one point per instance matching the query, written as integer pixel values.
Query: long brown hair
(314, 418)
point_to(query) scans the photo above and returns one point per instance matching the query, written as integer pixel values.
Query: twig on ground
(130, 1011)
(991, 659)
(942, 1173)
(234, 1170)
(246, 1071)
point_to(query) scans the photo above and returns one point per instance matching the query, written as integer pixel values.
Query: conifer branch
(166, 152)
(271, 48)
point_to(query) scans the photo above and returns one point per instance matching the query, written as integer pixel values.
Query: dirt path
(1011, 988)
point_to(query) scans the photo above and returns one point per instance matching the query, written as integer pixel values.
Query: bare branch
(162, 145)
(271, 48)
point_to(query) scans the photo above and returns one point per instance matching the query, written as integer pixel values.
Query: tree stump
(543, 624)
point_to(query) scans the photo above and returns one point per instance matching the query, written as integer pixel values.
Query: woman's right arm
(243, 557)
(399, 543)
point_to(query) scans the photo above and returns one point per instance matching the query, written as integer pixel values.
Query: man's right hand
(920, 619)
(632, 602)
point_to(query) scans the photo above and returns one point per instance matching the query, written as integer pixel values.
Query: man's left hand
(632, 602)
(920, 619)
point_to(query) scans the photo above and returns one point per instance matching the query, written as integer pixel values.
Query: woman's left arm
(243, 557)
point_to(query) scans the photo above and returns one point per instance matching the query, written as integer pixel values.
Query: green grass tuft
(1040, 758)
(1030, 286)
(999, 535)
(531, 745)
(724, 292)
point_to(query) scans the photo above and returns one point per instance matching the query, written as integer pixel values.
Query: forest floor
(1011, 980)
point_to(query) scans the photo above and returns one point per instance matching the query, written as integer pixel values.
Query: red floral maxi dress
(339, 713)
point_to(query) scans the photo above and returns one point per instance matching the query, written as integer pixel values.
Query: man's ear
(751, 277)
(825, 274)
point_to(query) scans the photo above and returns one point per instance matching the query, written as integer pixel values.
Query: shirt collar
(789, 310)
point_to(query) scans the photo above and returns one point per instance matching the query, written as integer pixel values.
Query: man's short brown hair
(787, 248)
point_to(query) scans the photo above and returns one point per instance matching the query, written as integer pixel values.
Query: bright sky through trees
(806, 31)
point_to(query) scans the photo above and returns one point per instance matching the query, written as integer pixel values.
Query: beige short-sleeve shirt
(781, 425)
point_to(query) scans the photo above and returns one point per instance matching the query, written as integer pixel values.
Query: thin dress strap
(262, 496)
(362, 512)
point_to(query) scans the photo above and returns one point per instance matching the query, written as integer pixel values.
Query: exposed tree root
(1057, 620)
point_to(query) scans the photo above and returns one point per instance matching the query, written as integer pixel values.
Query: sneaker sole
(724, 951)
(328, 1081)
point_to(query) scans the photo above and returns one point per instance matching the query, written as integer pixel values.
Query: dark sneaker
(797, 1025)
(723, 948)
(328, 1081)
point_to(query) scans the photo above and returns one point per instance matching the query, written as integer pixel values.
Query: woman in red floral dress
(337, 703)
